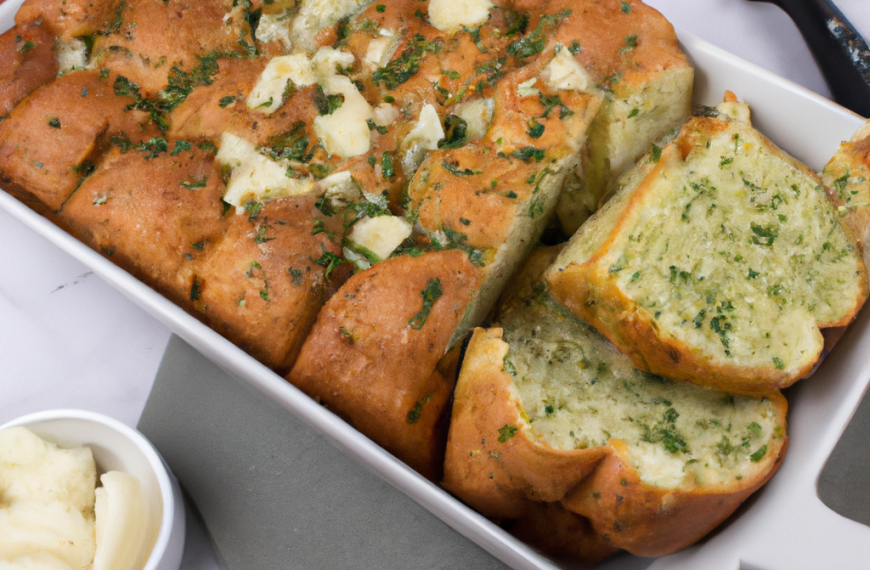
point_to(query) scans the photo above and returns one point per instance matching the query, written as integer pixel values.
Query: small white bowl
(117, 447)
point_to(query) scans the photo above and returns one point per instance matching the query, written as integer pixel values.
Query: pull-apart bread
(548, 411)
(719, 261)
(246, 158)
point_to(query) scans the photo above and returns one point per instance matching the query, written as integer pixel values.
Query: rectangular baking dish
(780, 526)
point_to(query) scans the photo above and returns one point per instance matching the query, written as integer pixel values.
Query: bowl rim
(158, 465)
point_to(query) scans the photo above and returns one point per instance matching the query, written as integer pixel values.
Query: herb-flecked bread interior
(720, 264)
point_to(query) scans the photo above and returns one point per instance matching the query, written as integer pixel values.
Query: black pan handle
(840, 51)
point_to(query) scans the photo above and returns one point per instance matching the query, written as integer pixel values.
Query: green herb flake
(28, 46)
(625, 7)
(764, 235)
(326, 104)
(54, 123)
(226, 101)
(535, 42)
(455, 133)
(387, 169)
(329, 261)
(758, 455)
(381, 8)
(195, 289)
(180, 146)
(194, 183)
(550, 102)
(536, 129)
(296, 275)
(414, 413)
(401, 69)
(527, 153)
(777, 361)
(455, 171)
(575, 47)
(506, 432)
(430, 294)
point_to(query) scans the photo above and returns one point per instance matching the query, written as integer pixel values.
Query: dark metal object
(840, 51)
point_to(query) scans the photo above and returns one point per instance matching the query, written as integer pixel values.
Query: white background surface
(69, 340)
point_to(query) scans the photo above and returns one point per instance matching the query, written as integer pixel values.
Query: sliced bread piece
(631, 51)
(847, 177)
(718, 266)
(546, 410)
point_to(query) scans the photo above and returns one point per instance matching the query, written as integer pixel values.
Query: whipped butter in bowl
(81, 491)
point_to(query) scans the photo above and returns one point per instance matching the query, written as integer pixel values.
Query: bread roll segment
(847, 177)
(718, 264)
(376, 355)
(546, 410)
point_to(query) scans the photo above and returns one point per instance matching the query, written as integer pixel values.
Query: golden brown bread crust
(847, 179)
(367, 361)
(261, 286)
(493, 463)
(649, 521)
(48, 162)
(151, 38)
(602, 27)
(69, 19)
(590, 291)
(567, 536)
(27, 61)
(170, 202)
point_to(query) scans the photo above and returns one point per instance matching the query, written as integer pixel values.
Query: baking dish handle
(840, 51)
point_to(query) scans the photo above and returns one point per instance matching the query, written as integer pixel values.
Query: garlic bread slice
(546, 410)
(720, 264)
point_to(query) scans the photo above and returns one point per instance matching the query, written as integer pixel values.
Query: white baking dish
(785, 524)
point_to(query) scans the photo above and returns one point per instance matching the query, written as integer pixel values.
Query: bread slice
(546, 410)
(847, 177)
(719, 265)
(633, 54)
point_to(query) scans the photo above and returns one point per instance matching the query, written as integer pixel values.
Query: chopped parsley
(455, 135)
(326, 104)
(527, 153)
(329, 261)
(291, 145)
(550, 102)
(430, 294)
(201, 183)
(536, 129)
(414, 413)
(758, 455)
(455, 171)
(506, 432)
(401, 69)
(535, 42)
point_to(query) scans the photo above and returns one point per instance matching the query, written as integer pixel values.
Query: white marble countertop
(68, 340)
